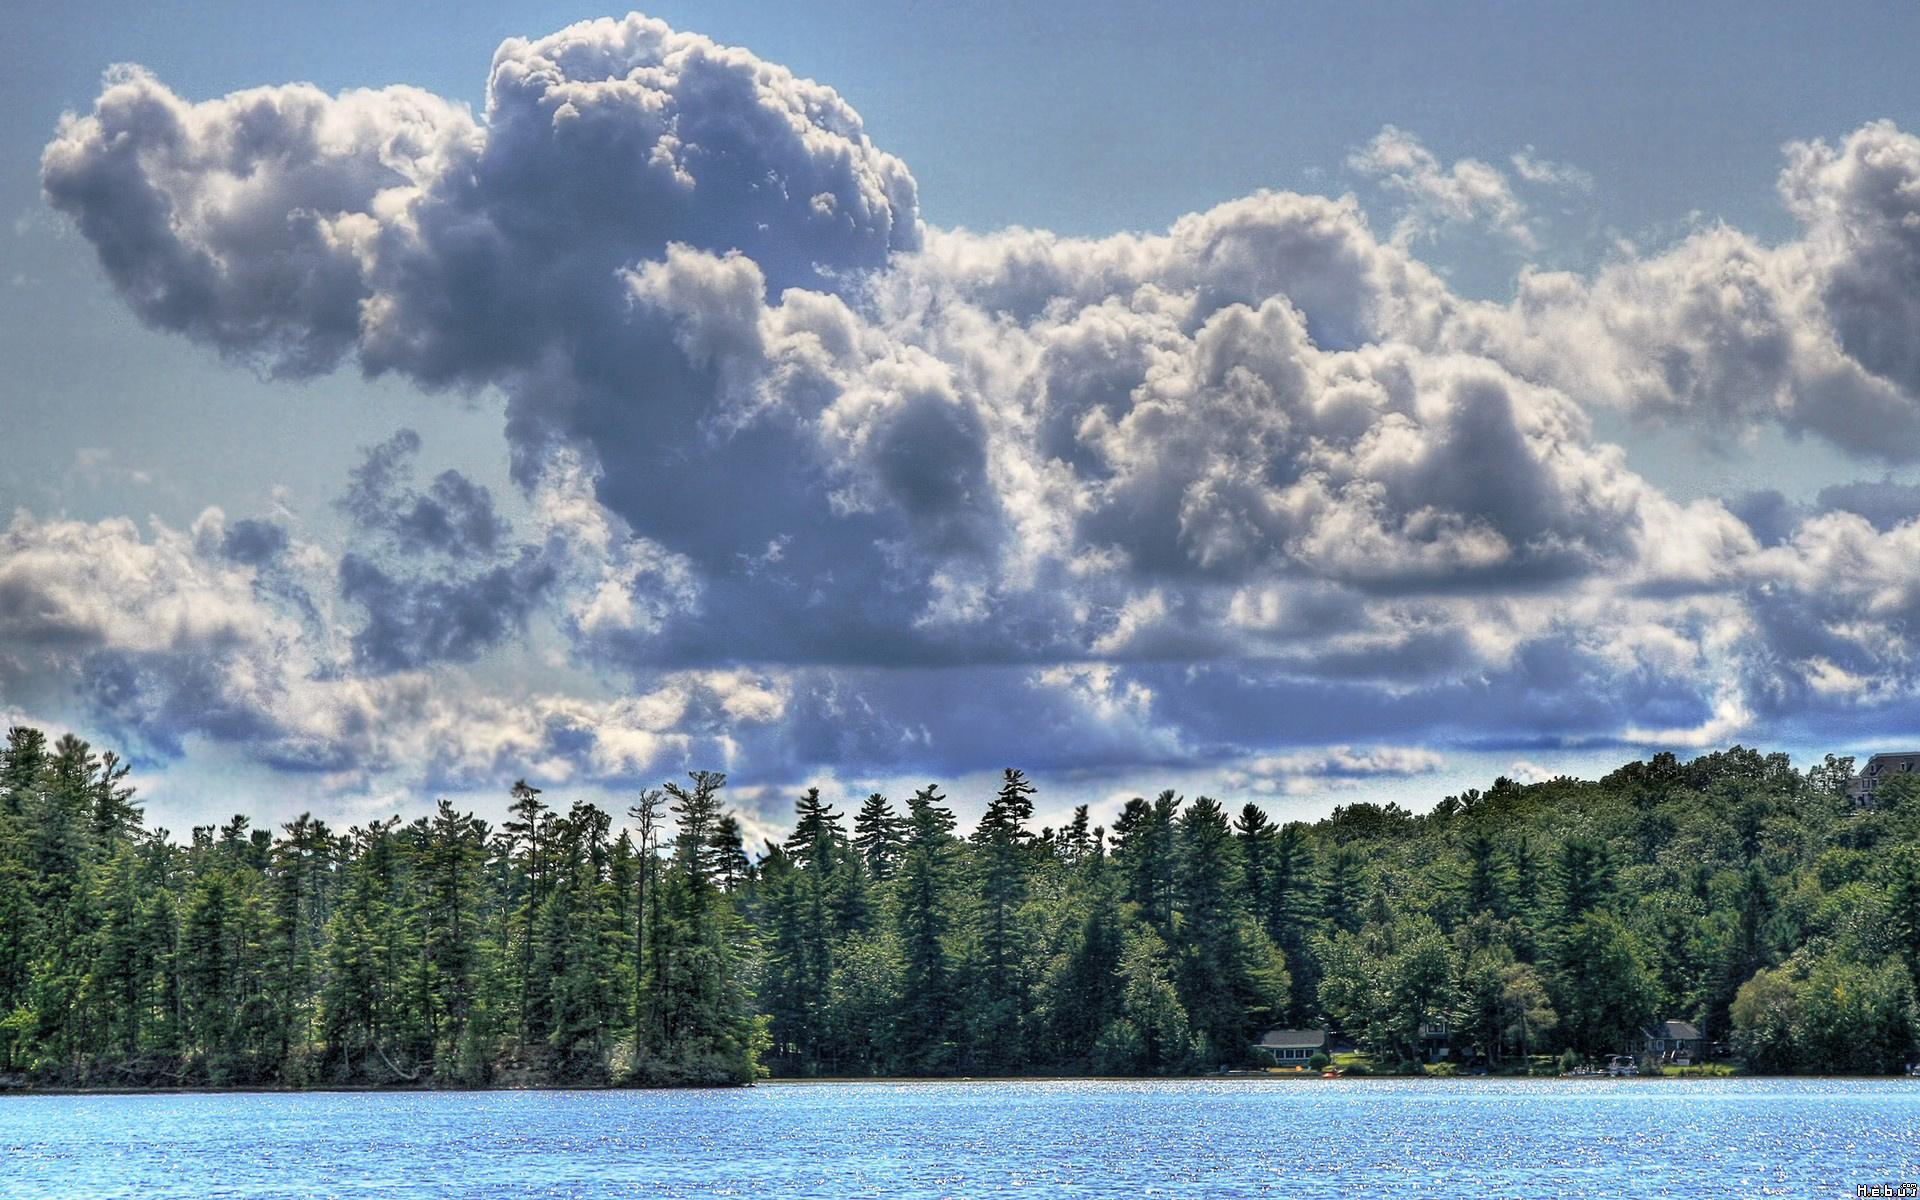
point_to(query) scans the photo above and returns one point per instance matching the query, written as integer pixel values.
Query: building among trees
(1900, 762)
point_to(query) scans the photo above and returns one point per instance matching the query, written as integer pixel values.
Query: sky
(1296, 403)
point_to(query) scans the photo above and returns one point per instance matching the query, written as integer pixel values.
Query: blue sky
(1295, 403)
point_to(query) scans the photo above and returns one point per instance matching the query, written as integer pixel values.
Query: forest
(880, 939)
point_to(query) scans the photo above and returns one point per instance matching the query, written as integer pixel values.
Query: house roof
(1675, 1031)
(1903, 759)
(1294, 1039)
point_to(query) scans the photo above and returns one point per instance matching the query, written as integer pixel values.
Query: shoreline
(921, 1081)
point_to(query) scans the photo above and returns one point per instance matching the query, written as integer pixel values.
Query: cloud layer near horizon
(815, 486)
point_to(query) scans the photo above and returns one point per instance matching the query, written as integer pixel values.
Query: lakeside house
(1880, 766)
(1293, 1047)
(1677, 1042)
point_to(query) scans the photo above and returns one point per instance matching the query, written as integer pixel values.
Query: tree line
(1554, 918)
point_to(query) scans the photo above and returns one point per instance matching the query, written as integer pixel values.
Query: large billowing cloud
(295, 228)
(811, 484)
(1725, 335)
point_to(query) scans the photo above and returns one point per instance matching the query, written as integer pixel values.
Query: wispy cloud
(1470, 192)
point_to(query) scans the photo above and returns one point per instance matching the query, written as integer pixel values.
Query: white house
(1293, 1047)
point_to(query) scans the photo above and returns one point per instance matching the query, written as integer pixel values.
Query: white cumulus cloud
(815, 486)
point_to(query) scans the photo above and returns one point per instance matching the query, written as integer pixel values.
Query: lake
(1209, 1138)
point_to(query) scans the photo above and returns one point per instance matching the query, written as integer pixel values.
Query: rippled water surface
(1202, 1138)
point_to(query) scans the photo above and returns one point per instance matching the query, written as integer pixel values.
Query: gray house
(1879, 767)
(1293, 1047)
(1677, 1042)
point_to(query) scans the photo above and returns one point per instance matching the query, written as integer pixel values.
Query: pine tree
(1524, 860)
(707, 1031)
(1292, 914)
(452, 854)
(122, 964)
(1000, 851)
(300, 883)
(369, 1012)
(115, 819)
(803, 898)
(1230, 978)
(1486, 879)
(1340, 890)
(880, 835)
(579, 947)
(1143, 850)
(1083, 990)
(1258, 840)
(646, 943)
(1583, 880)
(207, 967)
(531, 827)
(923, 893)
(730, 864)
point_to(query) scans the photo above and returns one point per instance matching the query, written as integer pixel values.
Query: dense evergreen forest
(1732, 891)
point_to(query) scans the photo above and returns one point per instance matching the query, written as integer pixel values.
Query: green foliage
(707, 1030)
(1826, 1015)
(1601, 987)
(1518, 924)
(1526, 1013)
(1152, 1036)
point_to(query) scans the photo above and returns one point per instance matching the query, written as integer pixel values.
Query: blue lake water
(1095, 1138)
